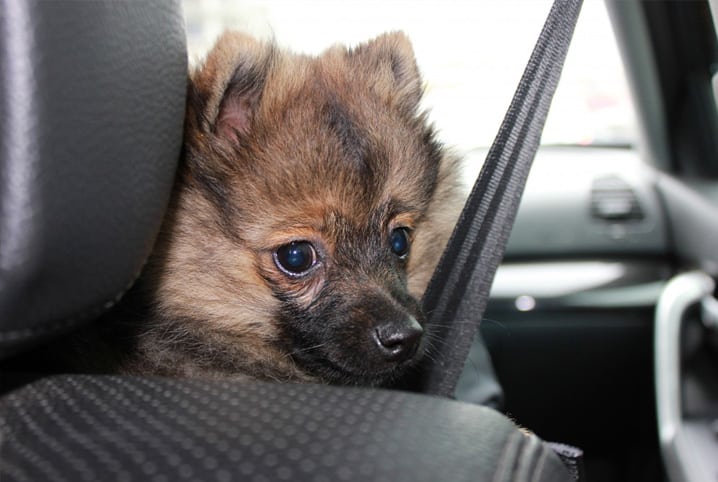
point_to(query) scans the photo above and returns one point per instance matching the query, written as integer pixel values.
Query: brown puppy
(311, 207)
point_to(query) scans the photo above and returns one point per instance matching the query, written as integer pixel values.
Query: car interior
(590, 338)
(600, 332)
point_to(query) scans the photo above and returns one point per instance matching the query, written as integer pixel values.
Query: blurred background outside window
(471, 54)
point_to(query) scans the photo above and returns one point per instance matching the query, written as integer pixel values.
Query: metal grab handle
(709, 312)
(679, 294)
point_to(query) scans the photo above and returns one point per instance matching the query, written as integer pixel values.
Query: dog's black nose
(398, 341)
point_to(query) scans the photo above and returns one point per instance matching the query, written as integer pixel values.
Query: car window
(471, 55)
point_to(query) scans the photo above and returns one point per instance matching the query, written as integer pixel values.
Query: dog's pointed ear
(390, 62)
(227, 89)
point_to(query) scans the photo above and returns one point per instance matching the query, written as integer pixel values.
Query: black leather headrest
(91, 102)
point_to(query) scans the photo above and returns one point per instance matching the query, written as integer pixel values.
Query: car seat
(92, 97)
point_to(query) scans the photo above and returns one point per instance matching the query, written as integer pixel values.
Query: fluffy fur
(332, 150)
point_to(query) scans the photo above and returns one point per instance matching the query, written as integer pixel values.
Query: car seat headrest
(92, 101)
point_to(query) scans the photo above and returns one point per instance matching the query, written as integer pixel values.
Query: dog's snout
(398, 341)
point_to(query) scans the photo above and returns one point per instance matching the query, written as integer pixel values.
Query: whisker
(428, 354)
(431, 351)
(433, 337)
(304, 350)
(447, 323)
(492, 321)
(498, 323)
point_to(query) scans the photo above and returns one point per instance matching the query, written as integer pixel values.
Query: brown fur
(281, 147)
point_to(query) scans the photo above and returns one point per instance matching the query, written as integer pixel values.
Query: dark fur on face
(284, 153)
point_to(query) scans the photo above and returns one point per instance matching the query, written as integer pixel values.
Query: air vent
(612, 199)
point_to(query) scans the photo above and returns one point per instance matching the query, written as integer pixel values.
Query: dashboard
(569, 324)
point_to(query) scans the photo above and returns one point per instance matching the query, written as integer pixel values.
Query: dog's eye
(399, 242)
(295, 258)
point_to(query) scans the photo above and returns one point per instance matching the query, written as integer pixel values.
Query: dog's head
(308, 215)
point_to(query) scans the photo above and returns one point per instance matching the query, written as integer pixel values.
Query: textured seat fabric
(92, 101)
(92, 428)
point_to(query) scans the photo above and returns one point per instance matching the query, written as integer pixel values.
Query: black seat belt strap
(458, 292)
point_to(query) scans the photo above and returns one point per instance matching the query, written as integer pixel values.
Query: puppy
(312, 204)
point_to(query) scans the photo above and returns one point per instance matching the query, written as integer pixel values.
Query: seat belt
(459, 289)
(458, 292)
